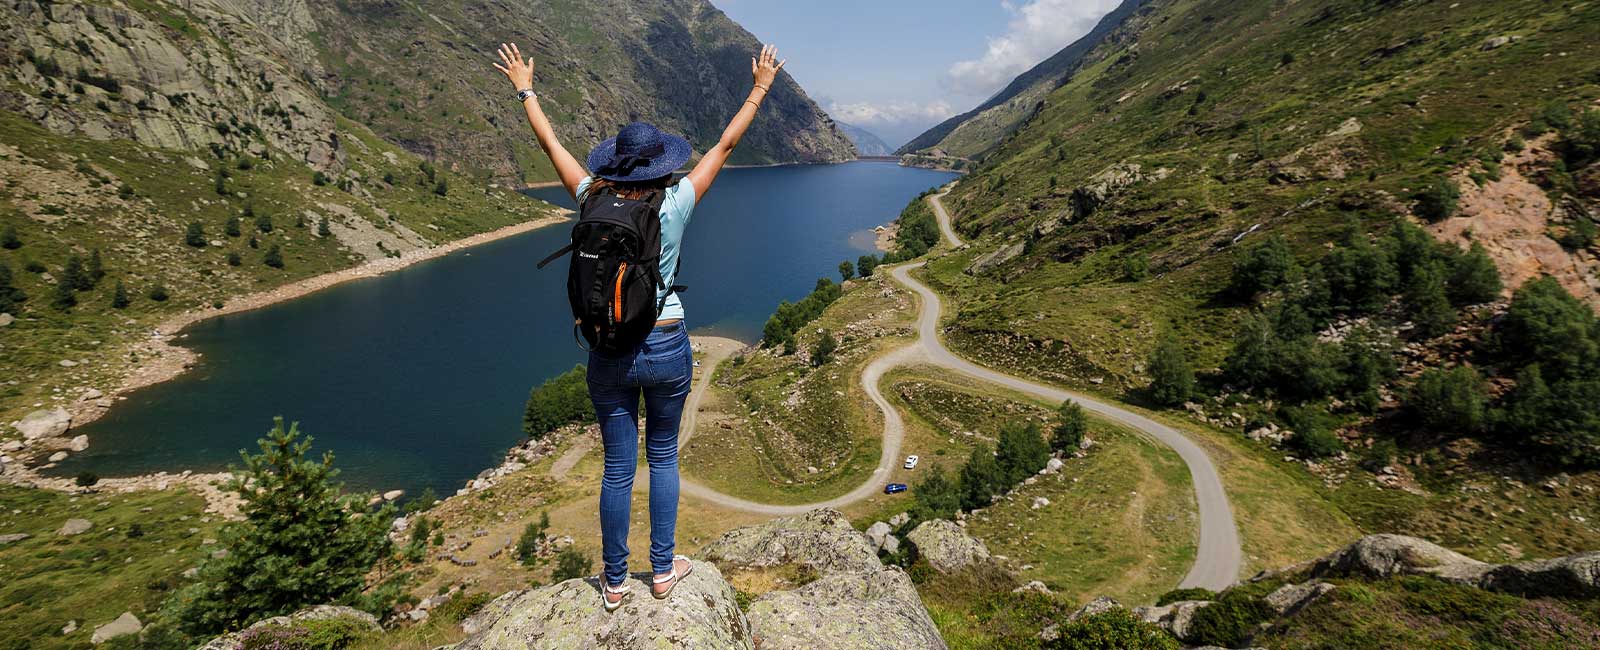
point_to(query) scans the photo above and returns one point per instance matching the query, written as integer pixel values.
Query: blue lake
(418, 378)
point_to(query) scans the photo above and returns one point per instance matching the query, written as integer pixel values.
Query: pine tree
(233, 258)
(1264, 267)
(980, 478)
(119, 296)
(1073, 426)
(1021, 452)
(1171, 377)
(847, 270)
(273, 258)
(195, 235)
(264, 222)
(300, 542)
(1425, 300)
(73, 276)
(937, 496)
(231, 227)
(1474, 278)
(865, 264)
(96, 269)
(322, 228)
(1251, 362)
(822, 350)
(64, 298)
(1438, 200)
(1450, 401)
(442, 188)
(11, 297)
(9, 239)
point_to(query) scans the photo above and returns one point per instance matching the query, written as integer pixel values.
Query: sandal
(673, 577)
(607, 591)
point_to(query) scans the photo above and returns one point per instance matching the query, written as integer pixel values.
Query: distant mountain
(867, 144)
(976, 131)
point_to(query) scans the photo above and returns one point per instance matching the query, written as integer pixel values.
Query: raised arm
(521, 75)
(764, 69)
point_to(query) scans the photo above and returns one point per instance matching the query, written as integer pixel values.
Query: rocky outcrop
(947, 547)
(236, 640)
(855, 603)
(124, 625)
(1288, 599)
(822, 539)
(701, 613)
(1379, 556)
(1172, 617)
(1382, 556)
(846, 611)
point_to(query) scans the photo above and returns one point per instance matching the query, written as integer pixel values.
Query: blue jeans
(662, 368)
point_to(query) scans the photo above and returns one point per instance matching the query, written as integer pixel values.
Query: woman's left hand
(520, 73)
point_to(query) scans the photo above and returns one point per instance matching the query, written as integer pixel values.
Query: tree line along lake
(417, 379)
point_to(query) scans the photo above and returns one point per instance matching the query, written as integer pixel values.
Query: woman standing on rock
(636, 167)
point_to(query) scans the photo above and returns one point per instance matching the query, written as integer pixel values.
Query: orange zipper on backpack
(616, 294)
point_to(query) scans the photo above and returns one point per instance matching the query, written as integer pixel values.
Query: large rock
(1381, 556)
(1291, 598)
(877, 532)
(946, 547)
(45, 423)
(75, 527)
(125, 624)
(1174, 617)
(822, 539)
(1573, 576)
(235, 640)
(846, 611)
(701, 613)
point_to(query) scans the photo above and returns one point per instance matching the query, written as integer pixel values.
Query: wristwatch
(525, 93)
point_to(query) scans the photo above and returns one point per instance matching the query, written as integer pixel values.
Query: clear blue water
(418, 378)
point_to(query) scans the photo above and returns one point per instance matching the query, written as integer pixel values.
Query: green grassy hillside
(1116, 216)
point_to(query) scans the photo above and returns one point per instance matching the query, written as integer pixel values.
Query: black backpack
(615, 271)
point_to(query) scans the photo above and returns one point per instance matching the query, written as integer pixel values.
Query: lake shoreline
(161, 358)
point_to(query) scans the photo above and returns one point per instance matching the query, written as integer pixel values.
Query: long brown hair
(630, 189)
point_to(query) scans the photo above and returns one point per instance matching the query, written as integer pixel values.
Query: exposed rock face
(44, 423)
(1381, 556)
(1289, 599)
(946, 547)
(701, 613)
(822, 539)
(987, 261)
(1173, 617)
(846, 611)
(1378, 556)
(234, 641)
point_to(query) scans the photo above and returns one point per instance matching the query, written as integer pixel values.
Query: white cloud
(891, 113)
(1038, 29)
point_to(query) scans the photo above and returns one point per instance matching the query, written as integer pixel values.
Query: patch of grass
(93, 577)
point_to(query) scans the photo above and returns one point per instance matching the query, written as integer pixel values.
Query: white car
(911, 461)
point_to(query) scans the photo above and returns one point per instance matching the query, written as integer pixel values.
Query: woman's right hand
(519, 72)
(765, 67)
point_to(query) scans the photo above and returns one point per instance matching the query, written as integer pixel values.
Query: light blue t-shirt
(676, 209)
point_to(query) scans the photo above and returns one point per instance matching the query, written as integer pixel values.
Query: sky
(897, 67)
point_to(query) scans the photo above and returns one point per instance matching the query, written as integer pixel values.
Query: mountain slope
(867, 143)
(681, 64)
(1114, 219)
(971, 133)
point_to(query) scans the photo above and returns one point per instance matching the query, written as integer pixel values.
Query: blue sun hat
(640, 152)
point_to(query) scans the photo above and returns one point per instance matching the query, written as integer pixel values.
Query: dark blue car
(894, 487)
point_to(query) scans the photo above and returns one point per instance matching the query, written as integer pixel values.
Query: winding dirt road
(1217, 557)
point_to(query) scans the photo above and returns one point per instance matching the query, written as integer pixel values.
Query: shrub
(234, 259)
(1449, 400)
(937, 496)
(1426, 302)
(533, 539)
(1070, 430)
(1546, 325)
(1312, 435)
(442, 188)
(847, 270)
(9, 239)
(158, 293)
(11, 297)
(571, 563)
(1228, 622)
(1171, 377)
(1020, 452)
(1580, 234)
(980, 478)
(1438, 200)
(1135, 267)
(264, 222)
(231, 227)
(73, 275)
(1264, 267)
(320, 634)
(822, 350)
(1474, 279)
(559, 401)
(86, 479)
(322, 228)
(319, 178)
(1114, 629)
(459, 608)
(273, 257)
(64, 298)
(865, 265)
(1186, 593)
